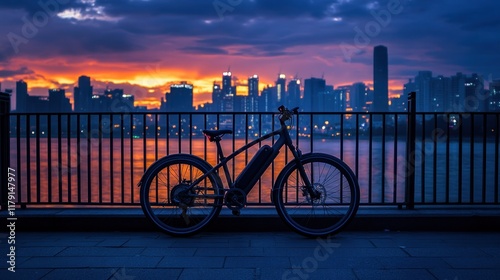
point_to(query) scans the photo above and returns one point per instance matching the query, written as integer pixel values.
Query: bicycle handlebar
(287, 114)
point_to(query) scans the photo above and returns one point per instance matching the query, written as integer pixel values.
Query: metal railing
(75, 159)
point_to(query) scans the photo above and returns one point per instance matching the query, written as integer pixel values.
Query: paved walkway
(253, 255)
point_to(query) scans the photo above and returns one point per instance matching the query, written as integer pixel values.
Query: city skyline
(152, 44)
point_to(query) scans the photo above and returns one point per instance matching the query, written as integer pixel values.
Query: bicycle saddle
(216, 134)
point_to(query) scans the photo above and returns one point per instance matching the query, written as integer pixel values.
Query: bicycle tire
(327, 215)
(170, 204)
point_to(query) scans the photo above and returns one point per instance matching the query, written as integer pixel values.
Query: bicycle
(316, 194)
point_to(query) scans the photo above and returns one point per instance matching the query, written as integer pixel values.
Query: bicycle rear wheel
(328, 214)
(169, 201)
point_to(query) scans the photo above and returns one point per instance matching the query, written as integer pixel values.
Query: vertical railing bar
(156, 135)
(28, 156)
(434, 160)
(131, 157)
(357, 146)
(497, 157)
(49, 159)
(99, 135)
(78, 159)
(38, 171)
(447, 177)
(68, 143)
(484, 158)
(471, 159)
(190, 133)
(395, 159)
(111, 158)
(122, 156)
(20, 192)
(167, 119)
(460, 154)
(383, 115)
(89, 158)
(179, 134)
(423, 154)
(145, 129)
(370, 159)
(410, 152)
(59, 154)
(342, 131)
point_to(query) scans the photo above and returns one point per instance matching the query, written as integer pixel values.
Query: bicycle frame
(283, 140)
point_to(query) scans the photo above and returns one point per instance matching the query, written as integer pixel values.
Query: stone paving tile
(145, 274)
(446, 252)
(466, 262)
(336, 262)
(412, 262)
(38, 251)
(22, 273)
(310, 274)
(113, 242)
(230, 252)
(466, 274)
(396, 274)
(80, 274)
(218, 274)
(91, 262)
(492, 251)
(191, 262)
(257, 262)
(99, 251)
(171, 252)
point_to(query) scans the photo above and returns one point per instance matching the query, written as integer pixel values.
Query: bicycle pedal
(236, 212)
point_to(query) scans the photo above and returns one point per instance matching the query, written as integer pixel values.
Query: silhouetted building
(83, 95)
(253, 93)
(180, 98)
(280, 90)
(380, 79)
(336, 99)
(440, 93)
(423, 89)
(457, 93)
(293, 94)
(58, 102)
(357, 97)
(314, 88)
(494, 96)
(21, 96)
(228, 92)
(216, 98)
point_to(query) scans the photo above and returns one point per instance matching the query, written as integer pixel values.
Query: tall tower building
(180, 98)
(21, 96)
(83, 95)
(423, 89)
(380, 79)
(314, 89)
(253, 93)
(280, 90)
(228, 92)
(293, 96)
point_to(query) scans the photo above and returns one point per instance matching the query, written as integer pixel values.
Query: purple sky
(143, 46)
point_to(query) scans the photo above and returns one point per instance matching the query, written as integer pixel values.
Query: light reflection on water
(108, 177)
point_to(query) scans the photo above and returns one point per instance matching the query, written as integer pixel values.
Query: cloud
(10, 73)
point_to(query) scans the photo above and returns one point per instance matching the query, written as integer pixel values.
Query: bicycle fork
(308, 188)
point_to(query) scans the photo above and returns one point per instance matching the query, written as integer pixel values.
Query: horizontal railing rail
(97, 159)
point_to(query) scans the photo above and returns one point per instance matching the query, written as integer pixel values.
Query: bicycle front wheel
(169, 200)
(327, 214)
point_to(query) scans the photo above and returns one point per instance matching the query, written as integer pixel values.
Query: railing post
(4, 147)
(410, 152)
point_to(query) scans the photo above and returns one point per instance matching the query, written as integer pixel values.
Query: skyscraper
(280, 90)
(314, 88)
(83, 95)
(228, 92)
(21, 96)
(180, 98)
(253, 93)
(380, 79)
(293, 93)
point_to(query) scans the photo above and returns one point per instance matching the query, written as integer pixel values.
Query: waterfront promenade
(381, 243)
(256, 255)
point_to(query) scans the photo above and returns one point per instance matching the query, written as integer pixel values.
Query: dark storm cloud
(4, 73)
(425, 32)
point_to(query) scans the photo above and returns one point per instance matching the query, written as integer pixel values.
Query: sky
(143, 46)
